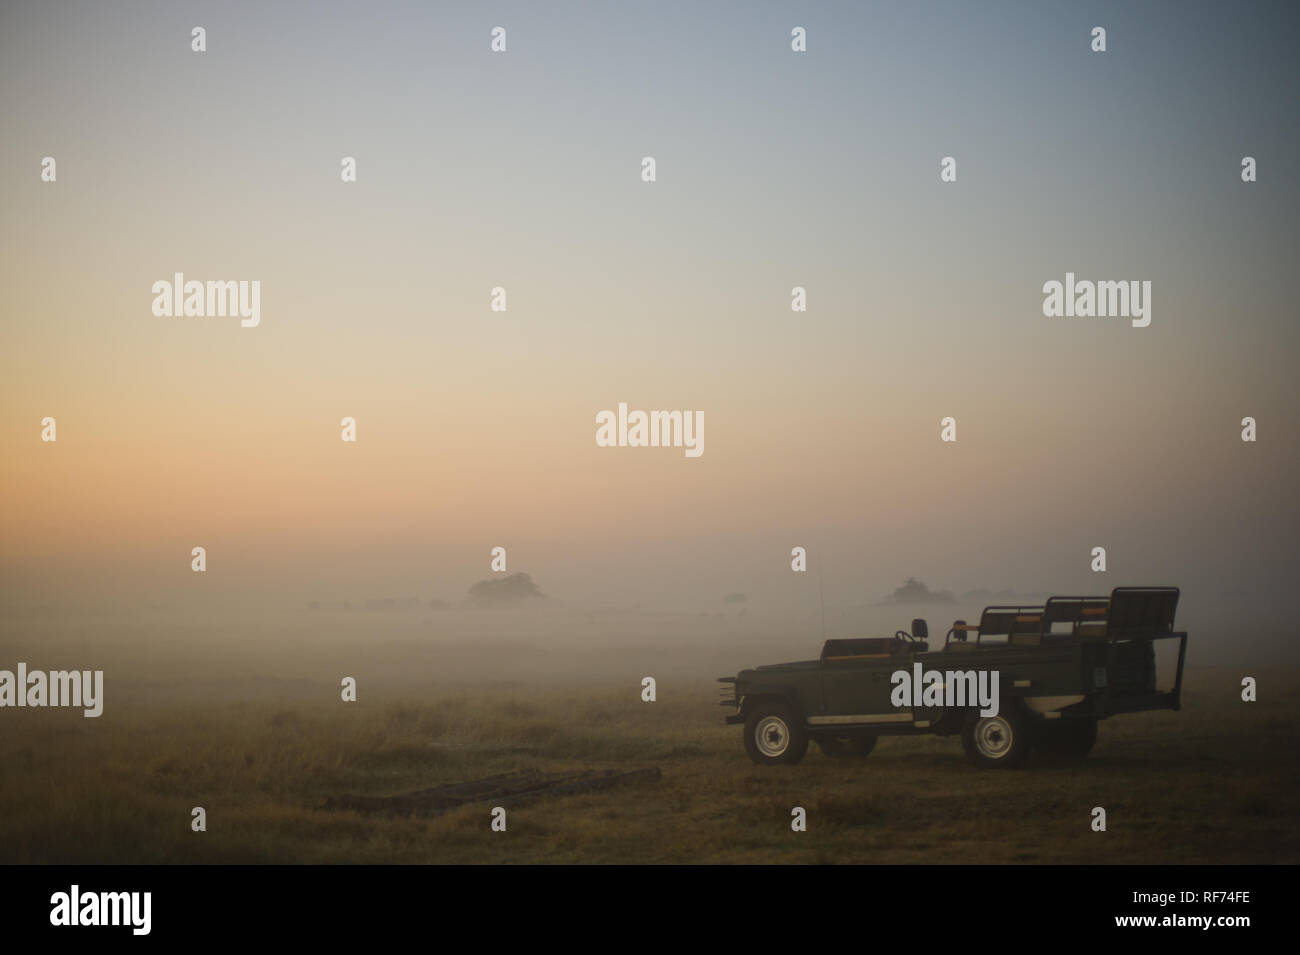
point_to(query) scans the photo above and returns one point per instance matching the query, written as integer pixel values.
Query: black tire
(1068, 739)
(998, 742)
(846, 747)
(775, 735)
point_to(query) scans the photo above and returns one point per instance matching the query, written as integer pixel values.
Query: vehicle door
(857, 689)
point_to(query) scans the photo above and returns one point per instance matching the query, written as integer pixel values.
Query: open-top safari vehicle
(1023, 677)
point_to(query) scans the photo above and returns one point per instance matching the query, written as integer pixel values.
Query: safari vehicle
(1058, 669)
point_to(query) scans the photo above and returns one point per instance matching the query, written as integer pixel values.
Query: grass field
(1216, 783)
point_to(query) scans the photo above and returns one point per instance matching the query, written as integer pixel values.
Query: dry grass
(1215, 783)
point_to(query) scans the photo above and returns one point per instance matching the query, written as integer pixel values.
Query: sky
(522, 169)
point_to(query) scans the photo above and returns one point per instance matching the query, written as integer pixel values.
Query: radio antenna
(821, 599)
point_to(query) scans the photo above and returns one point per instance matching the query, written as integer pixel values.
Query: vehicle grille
(727, 691)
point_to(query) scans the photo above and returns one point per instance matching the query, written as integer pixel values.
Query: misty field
(1218, 782)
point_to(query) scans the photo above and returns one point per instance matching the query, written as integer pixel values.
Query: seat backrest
(1007, 622)
(1137, 612)
(1026, 630)
(1074, 610)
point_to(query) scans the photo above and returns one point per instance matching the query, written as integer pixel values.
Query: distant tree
(505, 590)
(914, 591)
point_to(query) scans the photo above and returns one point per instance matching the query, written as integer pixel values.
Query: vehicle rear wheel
(1069, 739)
(774, 735)
(844, 747)
(997, 742)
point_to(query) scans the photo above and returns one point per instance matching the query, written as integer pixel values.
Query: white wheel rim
(994, 737)
(772, 736)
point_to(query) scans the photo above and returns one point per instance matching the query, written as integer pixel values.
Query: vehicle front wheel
(1001, 742)
(844, 747)
(774, 735)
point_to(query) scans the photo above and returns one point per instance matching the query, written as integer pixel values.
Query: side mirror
(920, 630)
